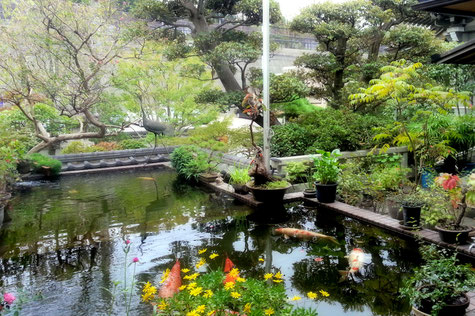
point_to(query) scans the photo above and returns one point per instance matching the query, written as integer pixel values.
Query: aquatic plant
(239, 176)
(220, 293)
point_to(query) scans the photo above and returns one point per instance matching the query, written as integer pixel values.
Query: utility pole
(265, 75)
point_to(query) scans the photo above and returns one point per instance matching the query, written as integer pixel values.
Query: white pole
(265, 74)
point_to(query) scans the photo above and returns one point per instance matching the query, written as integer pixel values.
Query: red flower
(451, 182)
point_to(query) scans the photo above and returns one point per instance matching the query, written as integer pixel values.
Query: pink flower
(9, 298)
(318, 259)
(135, 259)
(127, 242)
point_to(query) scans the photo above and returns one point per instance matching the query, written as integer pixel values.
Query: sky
(291, 8)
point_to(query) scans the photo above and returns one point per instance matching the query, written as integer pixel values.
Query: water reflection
(66, 241)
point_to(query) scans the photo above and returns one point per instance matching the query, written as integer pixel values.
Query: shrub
(39, 161)
(132, 144)
(76, 147)
(298, 172)
(104, 146)
(189, 161)
(289, 140)
(331, 129)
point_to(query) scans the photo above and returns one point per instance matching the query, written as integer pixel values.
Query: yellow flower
(241, 280)
(148, 292)
(277, 281)
(208, 294)
(312, 295)
(296, 298)
(163, 305)
(200, 263)
(235, 295)
(192, 313)
(324, 293)
(247, 308)
(278, 275)
(202, 251)
(211, 313)
(269, 311)
(191, 276)
(165, 275)
(185, 270)
(213, 255)
(261, 259)
(267, 276)
(200, 309)
(229, 285)
(192, 285)
(196, 291)
(181, 288)
(234, 272)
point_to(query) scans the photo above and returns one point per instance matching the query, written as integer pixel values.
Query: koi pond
(66, 239)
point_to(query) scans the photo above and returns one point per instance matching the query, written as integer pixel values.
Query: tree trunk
(338, 82)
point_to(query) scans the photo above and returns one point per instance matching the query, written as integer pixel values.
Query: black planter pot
(268, 196)
(309, 193)
(411, 215)
(326, 193)
(454, 309)
(454, 236)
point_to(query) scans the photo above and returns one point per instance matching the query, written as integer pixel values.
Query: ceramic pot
(309, 193)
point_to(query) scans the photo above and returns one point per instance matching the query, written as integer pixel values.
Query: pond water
(65, 242)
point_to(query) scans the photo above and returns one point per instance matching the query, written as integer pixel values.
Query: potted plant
(326, 174)
(460, 194)
(238, 179)
(212, 160)
(439, 286)
(265, 188)
(412, 204)
(189, 162)
(301, 172)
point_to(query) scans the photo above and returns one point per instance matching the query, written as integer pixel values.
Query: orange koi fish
(230, 277)
(303, 234)
(173, 283)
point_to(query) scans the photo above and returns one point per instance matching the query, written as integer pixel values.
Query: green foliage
(132, 144)
(289, 140)
(295, 108)
(39, 161)
(351, 183)
(415, 43)
(329, 129)
(275, 185)
(283, 88)
(298, 172)
(440, 280)
(189, 161)
(239, 176)
(159, 88)
(327, 167)
(225, 100)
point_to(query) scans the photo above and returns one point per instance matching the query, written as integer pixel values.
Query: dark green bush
(325, 129)
(39, 161)
(347, 131)
(290, 140)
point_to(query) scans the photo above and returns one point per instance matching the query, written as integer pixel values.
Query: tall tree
(61, 60)
(212, 24)
(156, 86)
(350, 36)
